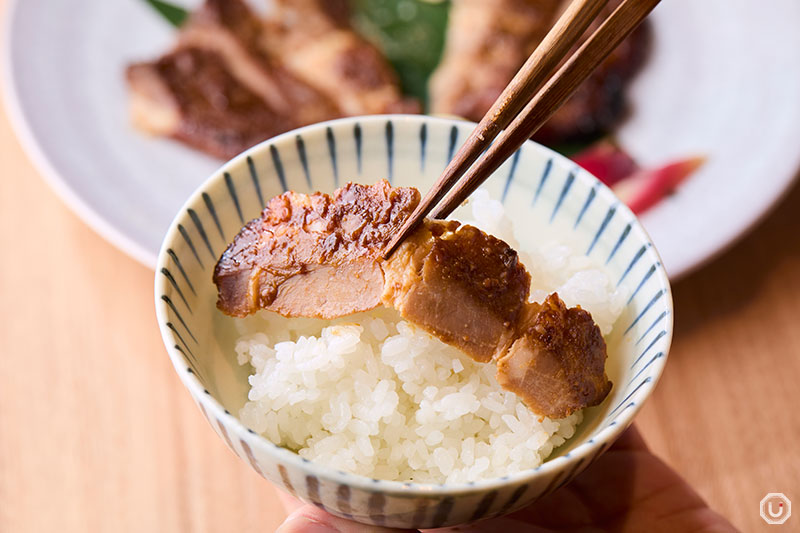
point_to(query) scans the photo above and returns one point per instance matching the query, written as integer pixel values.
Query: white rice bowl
(374, 395)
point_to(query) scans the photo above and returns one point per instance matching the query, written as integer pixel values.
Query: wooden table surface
(97, 433)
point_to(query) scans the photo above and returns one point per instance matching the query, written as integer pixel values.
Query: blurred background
(116, 111)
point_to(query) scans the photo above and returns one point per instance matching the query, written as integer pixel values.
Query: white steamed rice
(374, 395)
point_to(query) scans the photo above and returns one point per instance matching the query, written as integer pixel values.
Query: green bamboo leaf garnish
(175, 15)
(411, 35)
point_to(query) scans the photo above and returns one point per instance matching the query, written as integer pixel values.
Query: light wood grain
(96, 430)
(725, 413)
(97, 433)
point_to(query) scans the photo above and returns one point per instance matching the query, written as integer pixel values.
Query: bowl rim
(575, 458)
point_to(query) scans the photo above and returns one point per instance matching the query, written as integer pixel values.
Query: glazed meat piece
(191, 95)
(234, 79)
(463, 286)
(489, 40)
(557, 362)
(229, 28)
(216, 91)
(315, 40)
(313, 255)
(321, 256)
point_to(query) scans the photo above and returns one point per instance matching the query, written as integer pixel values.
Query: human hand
(626, 489)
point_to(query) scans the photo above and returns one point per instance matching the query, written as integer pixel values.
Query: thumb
(310, 519)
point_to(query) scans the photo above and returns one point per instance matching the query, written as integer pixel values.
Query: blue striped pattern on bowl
(539, 188)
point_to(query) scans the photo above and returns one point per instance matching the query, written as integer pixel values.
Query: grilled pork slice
(460, 284)
(321, 256)
(229, 28)
(317, 43)
(191, 96)
(557, 362)
(217, 90)
(313, 255)
(489, 40)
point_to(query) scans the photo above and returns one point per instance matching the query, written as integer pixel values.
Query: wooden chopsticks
(527, 102)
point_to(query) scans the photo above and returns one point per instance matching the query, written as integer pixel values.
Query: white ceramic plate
(723, 80)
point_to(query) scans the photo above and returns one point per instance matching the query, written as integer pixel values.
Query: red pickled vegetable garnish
(647, 187)
(606, 161)
(639, 188)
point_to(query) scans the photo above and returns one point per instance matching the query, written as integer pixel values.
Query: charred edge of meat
(315, 239)
(557, 363)
(191, 96)
(458, 283)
